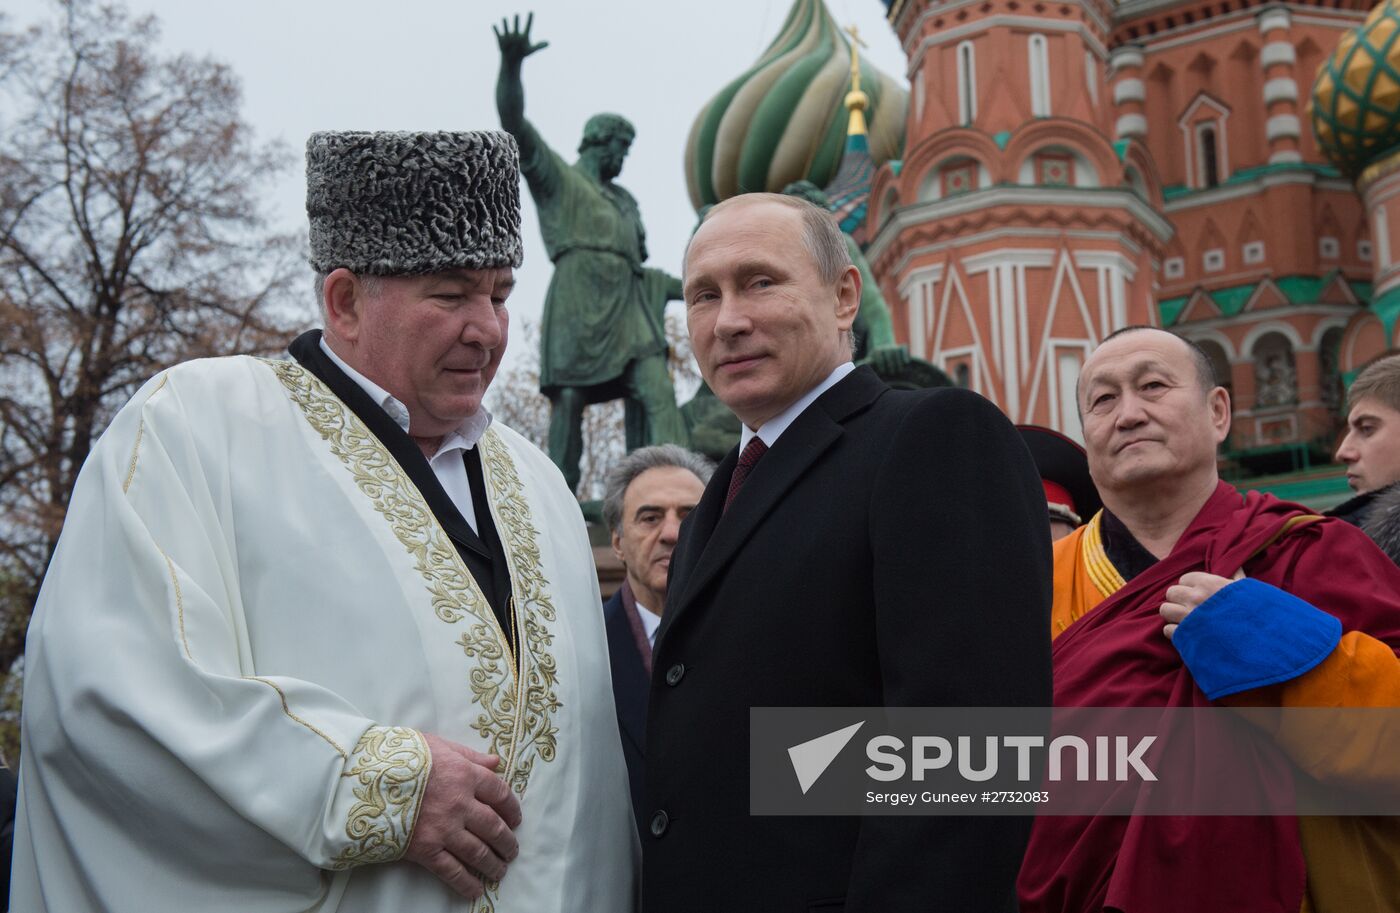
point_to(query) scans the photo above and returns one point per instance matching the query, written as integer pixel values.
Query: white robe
(251, 617)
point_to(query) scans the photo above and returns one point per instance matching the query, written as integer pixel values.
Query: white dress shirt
(447, 463)
(771, 429)
(650, 622)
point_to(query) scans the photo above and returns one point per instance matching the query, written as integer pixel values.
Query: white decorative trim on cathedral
(1277, 52)
(1285, 157)
(1038, 59)
(1282, 125)
(1275, 18)
(1091, 13)
(920, 292)
(1131, 125)
(981, 26)
(1282, 88)
(1381, 233)
(967, 83)
(1129, 90)
(1126, 56)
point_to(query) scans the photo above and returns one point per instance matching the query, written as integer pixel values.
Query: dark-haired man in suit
(646, 495)
(861, 547)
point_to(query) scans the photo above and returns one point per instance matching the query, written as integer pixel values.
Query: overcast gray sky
(311, 65)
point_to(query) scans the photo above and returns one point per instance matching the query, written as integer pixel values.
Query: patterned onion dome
(1356, 99)
(784, 120)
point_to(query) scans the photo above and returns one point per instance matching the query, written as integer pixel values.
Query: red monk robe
(1109, 651)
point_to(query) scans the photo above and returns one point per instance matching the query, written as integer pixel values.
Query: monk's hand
(1190, 591)
(466, 820)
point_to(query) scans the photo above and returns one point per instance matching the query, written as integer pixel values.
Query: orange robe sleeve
(1339, 571)
(1075, 591)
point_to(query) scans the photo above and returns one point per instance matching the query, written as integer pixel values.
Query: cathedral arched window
(1208, 155)
(967, 84)
(1329, 356)
(1040, 76)
(1275, 373)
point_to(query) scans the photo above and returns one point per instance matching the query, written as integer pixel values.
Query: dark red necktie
(747, 460)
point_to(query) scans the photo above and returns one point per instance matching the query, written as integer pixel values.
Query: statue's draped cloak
(600, 311)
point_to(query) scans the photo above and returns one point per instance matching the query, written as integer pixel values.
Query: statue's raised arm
(515, 46)
(602, 333)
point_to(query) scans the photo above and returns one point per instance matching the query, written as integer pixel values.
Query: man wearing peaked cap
(1070, 496)
(319, 635)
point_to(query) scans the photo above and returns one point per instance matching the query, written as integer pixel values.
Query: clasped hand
(464, 834)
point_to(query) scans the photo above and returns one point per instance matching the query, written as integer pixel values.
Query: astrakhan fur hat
(401, 204)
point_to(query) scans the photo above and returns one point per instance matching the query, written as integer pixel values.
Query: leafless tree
(132, 237)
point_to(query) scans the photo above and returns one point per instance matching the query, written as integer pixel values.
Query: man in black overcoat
(878, 548)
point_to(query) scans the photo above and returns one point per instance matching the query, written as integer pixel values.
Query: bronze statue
(603, 333)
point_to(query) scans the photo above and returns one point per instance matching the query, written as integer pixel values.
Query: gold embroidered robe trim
(532, 733)
(392, 765)
(517, 709)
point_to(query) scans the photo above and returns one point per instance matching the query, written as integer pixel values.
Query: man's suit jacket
(630, 684)
(890, 549)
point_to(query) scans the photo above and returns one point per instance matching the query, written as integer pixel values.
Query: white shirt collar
(771, 429)
(464, 438)
(650, 622)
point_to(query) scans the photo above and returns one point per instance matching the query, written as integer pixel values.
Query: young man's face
(1371, 449)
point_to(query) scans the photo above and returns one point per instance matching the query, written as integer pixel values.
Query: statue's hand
(888, 360)
(515, 41)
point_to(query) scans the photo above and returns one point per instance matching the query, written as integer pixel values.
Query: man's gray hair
(820, 234)
(625, 470)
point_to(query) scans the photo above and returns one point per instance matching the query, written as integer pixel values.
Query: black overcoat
(630, 684)
(890, 549)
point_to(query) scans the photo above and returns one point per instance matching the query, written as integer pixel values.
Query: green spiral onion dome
(1356, 98)
(783, 120)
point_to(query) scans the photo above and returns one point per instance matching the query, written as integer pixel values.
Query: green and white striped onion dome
(784, 119)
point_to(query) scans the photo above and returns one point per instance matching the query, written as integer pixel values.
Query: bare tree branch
(132, 237)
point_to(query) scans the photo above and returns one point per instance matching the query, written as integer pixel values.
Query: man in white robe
(318, 634)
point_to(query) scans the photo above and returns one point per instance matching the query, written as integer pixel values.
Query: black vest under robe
(483, 554)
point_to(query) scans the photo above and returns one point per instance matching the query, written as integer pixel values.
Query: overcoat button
(675, 674)
(659, 822)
